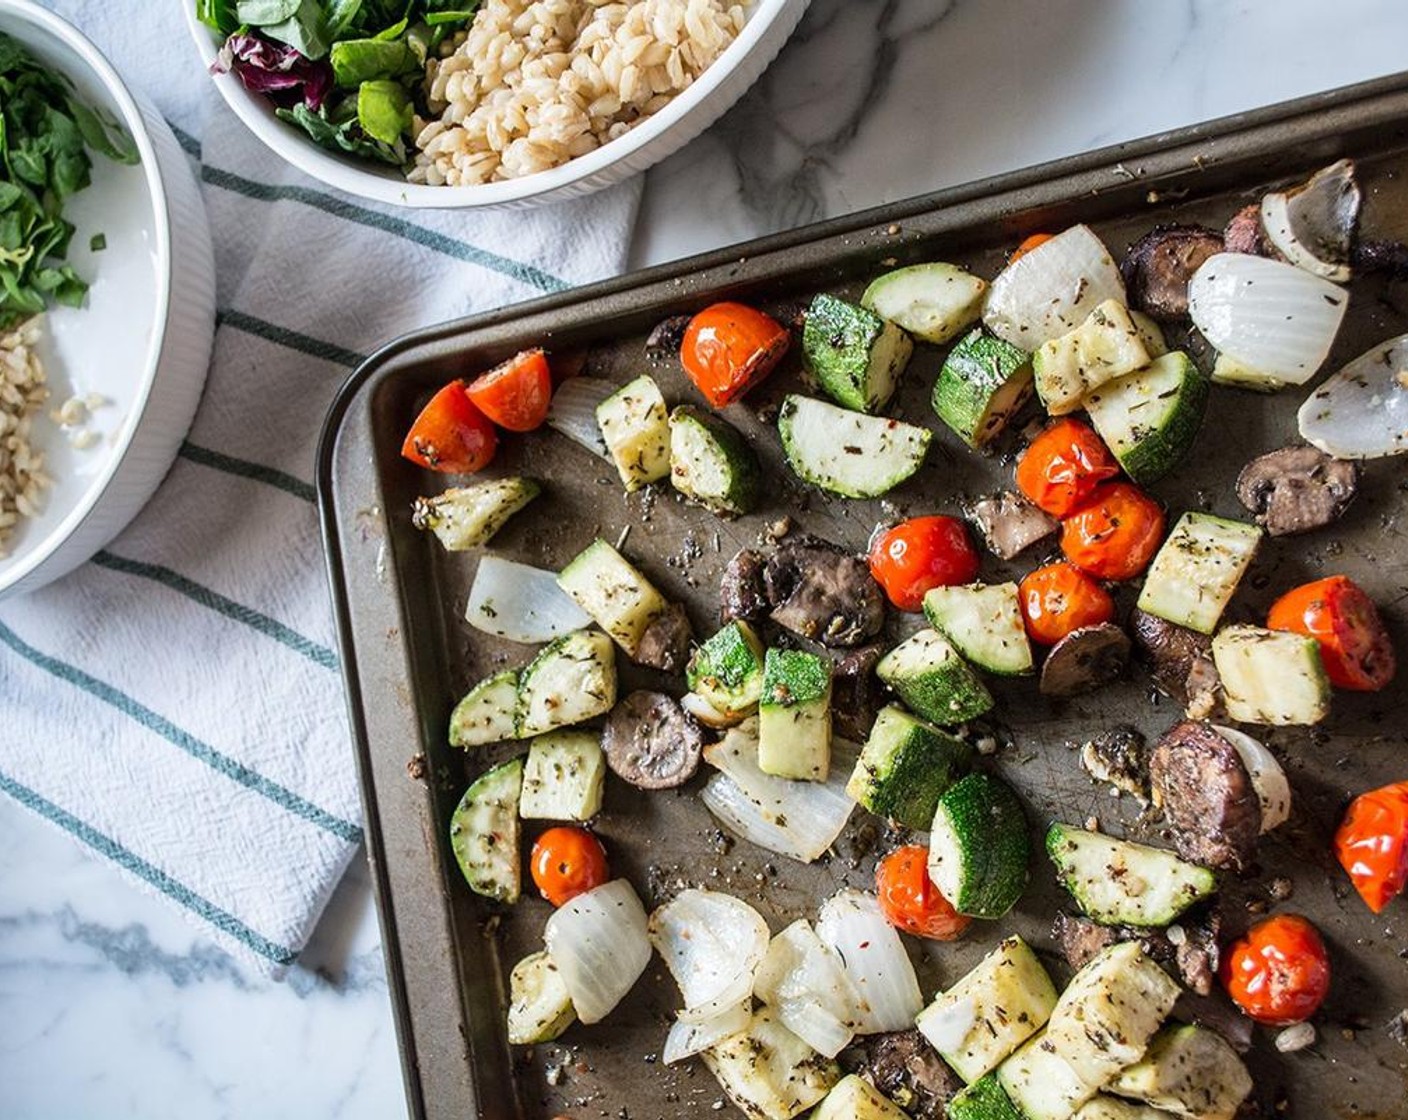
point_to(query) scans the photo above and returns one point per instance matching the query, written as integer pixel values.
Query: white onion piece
(875, 959)
(598, 942)
(711, 942)
(687, 1039)
(1361, 412)
(573, 412)
(802, 979)
(1273, 790)
(705, 712)
(521, 603)
(800, 820)
(1049, 291)
(1312, 225)
(1269, 315)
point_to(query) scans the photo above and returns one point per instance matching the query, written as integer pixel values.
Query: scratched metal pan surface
(408, 655)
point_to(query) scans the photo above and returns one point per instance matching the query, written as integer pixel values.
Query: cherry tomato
(910, 900)
(1028, 245)
(1354, 644)
(1063, 466)
(567, 862)
(1278, 972)
(1115, 534)
(919, 554)
(1058, 598)
(1372, 844)
(451, 434)
(728, 348)
(515, 394)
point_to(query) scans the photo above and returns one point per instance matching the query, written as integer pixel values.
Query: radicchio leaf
(276, 70)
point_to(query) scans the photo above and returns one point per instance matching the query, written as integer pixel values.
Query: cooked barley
(22, 394)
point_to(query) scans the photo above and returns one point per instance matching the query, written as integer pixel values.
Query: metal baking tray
(407, 655)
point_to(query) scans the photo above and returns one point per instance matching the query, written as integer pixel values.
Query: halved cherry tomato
(567, 862)
(909, 899)
(1115, 534)
(1372, 844)
(1028, 245)
(1278, 972)
(728, 348)
(1354, 644)
(516, 393)
(1062, 467)
(451, 434)
(1058, 598)
(919, 554)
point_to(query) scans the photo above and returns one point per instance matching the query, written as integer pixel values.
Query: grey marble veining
(111, 1007)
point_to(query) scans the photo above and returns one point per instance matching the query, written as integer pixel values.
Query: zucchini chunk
(984, 1017)
(726, 672)
(1271, 676)
(1227, 370)
(1121, 883)
(1191, 1072)
(711, 463)
(609, 588)
(985, 1099)
(564, 777)
(1106, 346)
(572, 679)
(854, 1099)
(539, 1008)
(486, 714)
(1109, 1012)
(1041, 1083)
(984, 382)
(978, 847)
(931, 678)
(636, 427)
(465, 517)
(1150, 418)
(1101, 1107)
(484, 833)
(856, 355)
(904, 767)
(846, 452)
(794, 716)
(984, 623)
(768, 1072)
(933, 302)
(1196, 571)
(1150, 334)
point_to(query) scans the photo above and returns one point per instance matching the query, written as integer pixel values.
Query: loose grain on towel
(22, 394)
(534, 83)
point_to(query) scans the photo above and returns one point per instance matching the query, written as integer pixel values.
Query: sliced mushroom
(1085, 659)
(1190, 946)
(651, 742)
(822, 592)
(1159, 265)
(1297, 489)
(666, 338)
(1010, 524)
(1389, 257)
(1119, 756)
(741, 591)
(910, 1072)
(1170, 650)
(664, 644)
(1244, 234)
(1199, 781)
(855, 692)
(1203, 689)
(1313, 225)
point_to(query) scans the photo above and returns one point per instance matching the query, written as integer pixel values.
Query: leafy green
(45, 135)
(384, 110)
(343, 134)
(355, 61)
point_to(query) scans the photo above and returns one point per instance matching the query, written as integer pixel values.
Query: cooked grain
(22, 394)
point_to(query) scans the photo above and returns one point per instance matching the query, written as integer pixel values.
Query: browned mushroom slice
(1200, 782)
(1159, 265)
(1297, 489)
(1119, 756)
(1085, 659)
(1010, 524)
(664, 644)
(1244, 233)
(855, 692)
(651, 742)
(910, 1072)
(1170, 650)
(665, 340)
(822, 592)
(741, 591)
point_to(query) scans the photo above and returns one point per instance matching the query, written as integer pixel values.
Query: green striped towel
(175, 705)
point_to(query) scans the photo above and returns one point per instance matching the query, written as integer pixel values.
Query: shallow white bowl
(142, 339)
(770, 22)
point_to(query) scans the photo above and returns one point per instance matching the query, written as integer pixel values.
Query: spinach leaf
(355, 61)
(262, 13)
(218, 15)
(305, 30)
(384, 110)
(343, 134)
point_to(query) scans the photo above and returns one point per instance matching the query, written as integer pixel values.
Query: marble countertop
(110, 1006)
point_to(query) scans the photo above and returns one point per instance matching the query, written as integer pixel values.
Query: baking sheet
(408, 655)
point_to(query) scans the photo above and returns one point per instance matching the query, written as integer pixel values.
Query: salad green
(46, 132)
(347, 72)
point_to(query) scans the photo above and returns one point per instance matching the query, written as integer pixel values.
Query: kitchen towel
(176, 703)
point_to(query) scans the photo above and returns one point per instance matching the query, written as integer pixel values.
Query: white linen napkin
(176, 704)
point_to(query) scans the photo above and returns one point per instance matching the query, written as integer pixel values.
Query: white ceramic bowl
(770, 22)
(142, 340)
